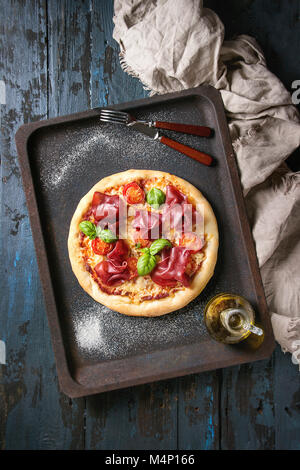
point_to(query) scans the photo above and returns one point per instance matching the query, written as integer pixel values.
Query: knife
(154, 134)
(202, 131)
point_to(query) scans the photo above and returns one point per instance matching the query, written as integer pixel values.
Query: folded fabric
(171, 45)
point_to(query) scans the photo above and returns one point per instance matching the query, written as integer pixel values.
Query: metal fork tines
(118, 117)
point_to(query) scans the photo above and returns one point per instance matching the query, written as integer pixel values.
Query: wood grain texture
(33, 412)
(247, 407)
(109, 84)
(286, 402)
(57, 58)
(198, 412)
(143, 417)
(69, 57)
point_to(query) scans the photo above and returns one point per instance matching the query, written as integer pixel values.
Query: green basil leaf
(155, 197)
(158, 245)
(88, 228)
(107, 236)
(145, 250)
(145, 264)
(98, 231)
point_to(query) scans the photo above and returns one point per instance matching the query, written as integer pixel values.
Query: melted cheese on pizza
(140, 288)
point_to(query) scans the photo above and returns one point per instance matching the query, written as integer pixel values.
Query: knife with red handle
(202, 131)
(201, 157)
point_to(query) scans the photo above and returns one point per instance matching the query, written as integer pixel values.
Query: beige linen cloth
(171, 45)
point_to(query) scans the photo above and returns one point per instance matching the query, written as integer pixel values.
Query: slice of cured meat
(147, 224)
(114, 270)
(171, 268)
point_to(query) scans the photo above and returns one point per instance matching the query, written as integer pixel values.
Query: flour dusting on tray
(88, 331)
(98, 139)
(102, 333)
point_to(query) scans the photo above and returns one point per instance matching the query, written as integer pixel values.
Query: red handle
(189, 151)
(203, 131)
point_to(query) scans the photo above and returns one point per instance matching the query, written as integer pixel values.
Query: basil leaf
(107, 236)
(88, 228)
(145, 264)
(155, 197)
(98, 231)
(158, 245)
(145, 250)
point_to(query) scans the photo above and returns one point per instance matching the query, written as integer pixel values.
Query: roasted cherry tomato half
(132, 266)
(133, 193)
(191, 241)
(100, 247)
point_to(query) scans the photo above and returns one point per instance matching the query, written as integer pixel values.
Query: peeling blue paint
(17, 258)
(210, 434)
(29, 279)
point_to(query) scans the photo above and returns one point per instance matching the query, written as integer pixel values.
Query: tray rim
(68, 384)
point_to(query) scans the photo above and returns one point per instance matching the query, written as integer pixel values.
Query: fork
(121, 117)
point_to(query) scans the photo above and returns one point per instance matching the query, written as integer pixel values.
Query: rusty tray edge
(67, 383)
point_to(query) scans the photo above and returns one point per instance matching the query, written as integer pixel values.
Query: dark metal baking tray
(96, 349)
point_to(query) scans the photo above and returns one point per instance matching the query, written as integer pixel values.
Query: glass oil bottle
(230, 318)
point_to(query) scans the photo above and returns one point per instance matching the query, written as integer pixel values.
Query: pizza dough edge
(123, 304)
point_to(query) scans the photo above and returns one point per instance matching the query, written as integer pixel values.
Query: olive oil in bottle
(229, 318)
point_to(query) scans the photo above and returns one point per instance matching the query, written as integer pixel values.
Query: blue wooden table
(58, 57)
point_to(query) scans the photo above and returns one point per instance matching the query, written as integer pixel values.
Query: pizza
(143, 242)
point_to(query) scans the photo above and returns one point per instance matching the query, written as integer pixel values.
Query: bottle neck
(236, 322)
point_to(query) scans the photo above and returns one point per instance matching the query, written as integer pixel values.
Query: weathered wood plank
(247, 407)
(69, 45)
(286, 402)
(143, 417)
(109, 84)
(70, 71)
(33, 414)
(198, 411)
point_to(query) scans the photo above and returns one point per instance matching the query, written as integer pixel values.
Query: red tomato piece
(142, 241)
(191, 241)
(133, 193)
(100, 247)
(132, 266)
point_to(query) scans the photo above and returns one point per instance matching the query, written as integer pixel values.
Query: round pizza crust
(123, 304)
